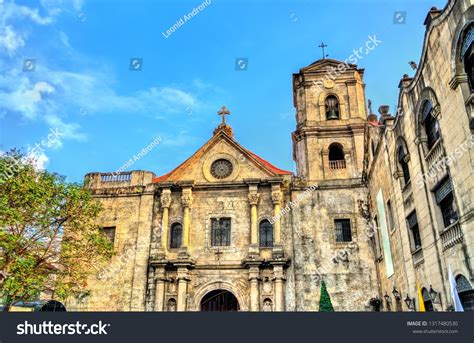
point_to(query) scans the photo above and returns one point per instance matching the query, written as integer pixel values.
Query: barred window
(414, 230)
(343, 230)
(176, 235)
(445, 200)
(120, 177)
(220, 232)
(266, 233)
(431, 124)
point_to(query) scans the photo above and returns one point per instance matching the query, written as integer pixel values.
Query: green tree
(49, 242)
(325, 304)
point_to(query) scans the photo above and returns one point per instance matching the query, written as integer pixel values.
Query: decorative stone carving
(253, 198)
(165, 200)
(276, 198)
(186, 200)
(267, 305)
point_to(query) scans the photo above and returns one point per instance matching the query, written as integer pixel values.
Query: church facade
(228, 231)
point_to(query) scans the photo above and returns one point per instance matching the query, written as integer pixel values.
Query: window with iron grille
(414, 229)
(220, 232)
(343, 230)
(176, 236)
(266, 233)
(445, 200)
(431, 124)
(109, 232)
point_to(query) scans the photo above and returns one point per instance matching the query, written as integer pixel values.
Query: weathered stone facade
(227, 221)
(440, 85)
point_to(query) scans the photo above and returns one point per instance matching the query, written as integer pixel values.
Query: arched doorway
(219, 300)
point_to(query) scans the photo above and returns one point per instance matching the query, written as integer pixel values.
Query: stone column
(160, 283)
(276, 200)
(182, 288)
(279, 280)
(165, 204)
(254, 277)
(253, 200)
(186, 201)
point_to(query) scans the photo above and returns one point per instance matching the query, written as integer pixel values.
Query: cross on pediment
(322, 46)
(223, 112)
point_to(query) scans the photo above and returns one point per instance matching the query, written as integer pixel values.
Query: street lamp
(396, 294)
(387, 298)
(410, 303)
(435, 296)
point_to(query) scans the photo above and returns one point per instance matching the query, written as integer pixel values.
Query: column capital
(186, 200)
(253, 198)
(165, 200)
(276, 197)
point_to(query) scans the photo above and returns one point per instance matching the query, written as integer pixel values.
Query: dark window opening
(391, 223)
(445, 200)
(176, 236)
(266, 233)
(343, 230)
(431, 125)
(415, 230)
(427, 300)
(404, 165)
(109, 232)
(336, 157)
(332, 108)
(220, 232)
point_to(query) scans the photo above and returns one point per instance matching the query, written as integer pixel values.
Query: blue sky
(83, 88)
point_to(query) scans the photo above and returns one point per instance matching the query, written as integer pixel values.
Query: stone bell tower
(329, 98)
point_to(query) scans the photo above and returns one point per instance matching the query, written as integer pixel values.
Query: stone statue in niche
(267, 305)
(171, 306)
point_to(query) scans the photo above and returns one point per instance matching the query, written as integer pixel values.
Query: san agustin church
(378, 204)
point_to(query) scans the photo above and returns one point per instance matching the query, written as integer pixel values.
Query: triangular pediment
(244, 164)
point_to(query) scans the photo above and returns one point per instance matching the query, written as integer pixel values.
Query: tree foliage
(49, 240)
(325, 304)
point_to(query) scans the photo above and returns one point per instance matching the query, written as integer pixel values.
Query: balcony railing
(451, 236)
(122, 177)
(338, 164)
(435, 154)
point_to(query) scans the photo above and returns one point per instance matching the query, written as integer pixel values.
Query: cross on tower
(223, 112)
(322, 46)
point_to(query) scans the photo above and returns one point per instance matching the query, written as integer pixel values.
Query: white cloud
(38, 158)
(10, 10)
(11, 40)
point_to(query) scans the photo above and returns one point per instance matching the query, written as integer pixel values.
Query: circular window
(221, 168)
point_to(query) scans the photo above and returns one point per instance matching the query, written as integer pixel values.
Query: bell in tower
(332, 108)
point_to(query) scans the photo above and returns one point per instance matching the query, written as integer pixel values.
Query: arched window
(266, 234)
(336, 156)
(332, 108)
(402, 161)
(428, 302)
(176, 235)
(465, 292)
(430, 124)
(467, 55)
